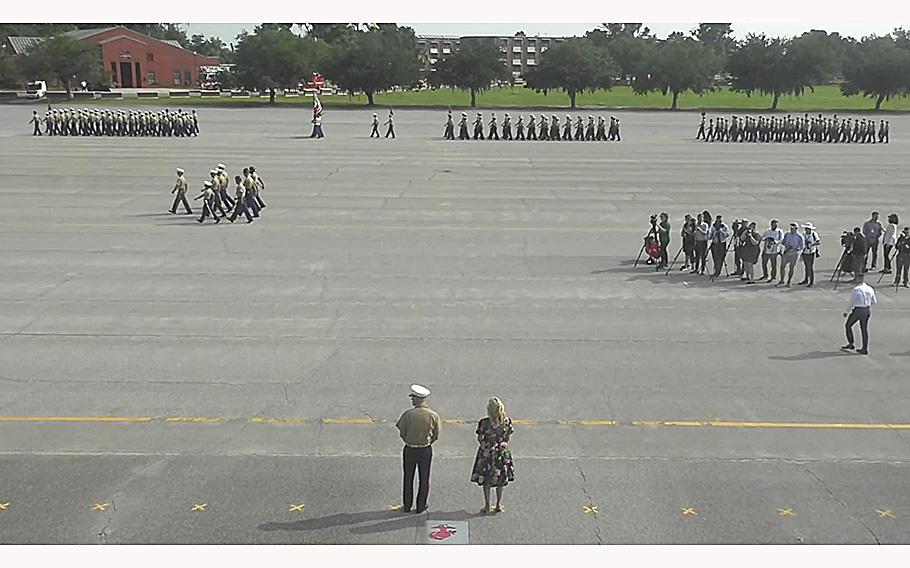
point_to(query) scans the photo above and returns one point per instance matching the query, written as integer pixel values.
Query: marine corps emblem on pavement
(446, 532)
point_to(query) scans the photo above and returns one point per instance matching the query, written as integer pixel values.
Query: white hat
(420, 391)
(180, 170)
(207, 183)
(809, 226)
(213, 172)
(221, 166)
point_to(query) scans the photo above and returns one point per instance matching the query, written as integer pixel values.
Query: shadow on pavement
(390, 521)
(811, 355)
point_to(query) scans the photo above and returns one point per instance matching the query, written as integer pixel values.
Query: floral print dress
(493, 464)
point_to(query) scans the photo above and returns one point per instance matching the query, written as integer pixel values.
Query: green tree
(65, 59)
(9, 71)
(378, 59)
(877, 68)
(630, 46)
(679, 64)
(272, 58)
(718, 36)
(574, 66)
(475, 66)
(779, 67)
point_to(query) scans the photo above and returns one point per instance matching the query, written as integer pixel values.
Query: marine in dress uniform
(494, 128)
(180, 189)
(532, 127)
(374, 133)
(240, 201)
(579, 129)
(520, 128)
(449, 133)
(507, 127)
(391, 124)
(478, 127)
(463, 127)
(37, 122)
(567, 128)
(208, 197)
(419, 429)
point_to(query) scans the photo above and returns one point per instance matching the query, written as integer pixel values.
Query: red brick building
(135, 60)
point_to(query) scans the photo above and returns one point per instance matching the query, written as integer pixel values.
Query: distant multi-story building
(519, 52)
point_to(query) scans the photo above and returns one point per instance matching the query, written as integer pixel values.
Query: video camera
(846, 240)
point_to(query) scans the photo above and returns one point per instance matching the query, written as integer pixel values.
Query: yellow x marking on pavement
(884, 513)
(3, 506)
(393, 507)
(293, 507)
(592, 510)
(689, 511)
(786, 512)
(199, 506)
(101, 506)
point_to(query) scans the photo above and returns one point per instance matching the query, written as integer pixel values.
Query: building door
(126, 75)
(138, 76)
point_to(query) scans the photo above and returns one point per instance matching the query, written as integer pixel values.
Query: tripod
(669, 268)
(726, 271)
(651, 231)
(835, 276)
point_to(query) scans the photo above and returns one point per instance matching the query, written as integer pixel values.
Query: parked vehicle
(36, 90)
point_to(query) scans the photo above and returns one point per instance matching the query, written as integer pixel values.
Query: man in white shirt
(861, 300)
(771, 239)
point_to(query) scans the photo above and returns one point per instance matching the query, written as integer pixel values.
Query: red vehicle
(316, 83)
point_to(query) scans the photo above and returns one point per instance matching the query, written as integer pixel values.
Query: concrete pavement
(475, 268)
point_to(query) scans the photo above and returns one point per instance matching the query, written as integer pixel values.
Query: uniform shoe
(848, 347)
(862, 351)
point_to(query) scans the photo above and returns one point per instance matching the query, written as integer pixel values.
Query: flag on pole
(317, 106)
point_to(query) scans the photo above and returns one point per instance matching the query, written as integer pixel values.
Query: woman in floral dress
(493, 464)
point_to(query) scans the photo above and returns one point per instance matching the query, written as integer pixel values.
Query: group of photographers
(700, 236)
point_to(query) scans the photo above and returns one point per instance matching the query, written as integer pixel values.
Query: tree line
(372, 58)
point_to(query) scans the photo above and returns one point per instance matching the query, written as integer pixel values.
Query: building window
(152, 80)
(113, 73)
(516, 62)
(531, 62)
(187, 78)
(176, 78)
(149, 57)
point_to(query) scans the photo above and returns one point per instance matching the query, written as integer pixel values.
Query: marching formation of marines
(106, 122)
(542, 129)
(793, 129)
(247, 199)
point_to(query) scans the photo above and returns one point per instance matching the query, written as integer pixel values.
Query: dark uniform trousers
(416, 459)
(860, 315)
(239, 208)
(181, 198)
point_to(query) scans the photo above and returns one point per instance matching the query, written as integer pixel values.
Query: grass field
(827, 97)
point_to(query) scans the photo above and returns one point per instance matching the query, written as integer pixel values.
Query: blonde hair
(496, 410)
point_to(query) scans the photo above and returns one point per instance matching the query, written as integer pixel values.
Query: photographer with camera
(903, 257)
(717, 236)
(663, 237)
(858, 251)
(701, 243)
(736, 231)
(651, 242)
(793, 244)
(889, 240)
(810, 253)
(771, 238)
(749, 250)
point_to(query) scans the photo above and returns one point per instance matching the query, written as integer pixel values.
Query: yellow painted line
(351, 421)
(525, 422)
(4, 506)
(587, 422)
(202, 419)
(75, 419)
(820, 425)
(454, 421)
(652, 423)
(261, 420)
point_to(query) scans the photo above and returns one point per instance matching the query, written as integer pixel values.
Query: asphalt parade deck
(150, 366)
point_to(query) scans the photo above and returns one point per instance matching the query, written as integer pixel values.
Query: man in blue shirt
(793, 244)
